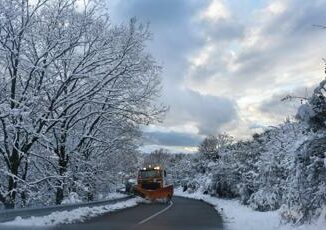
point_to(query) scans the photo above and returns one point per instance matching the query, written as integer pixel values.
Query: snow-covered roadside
(240, 217)
(76, 215)
(115, 195)
(73, 197)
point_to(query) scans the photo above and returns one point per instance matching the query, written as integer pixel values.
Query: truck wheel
(168, 199)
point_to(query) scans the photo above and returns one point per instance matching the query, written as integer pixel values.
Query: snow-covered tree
(74, 88)
(157, 157)
(314, 110)
(306, 190)
(212, 146)
(282, 167)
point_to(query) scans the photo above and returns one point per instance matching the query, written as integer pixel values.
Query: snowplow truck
(151, 184)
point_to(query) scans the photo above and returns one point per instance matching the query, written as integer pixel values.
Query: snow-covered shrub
(265, 199)
(222, 186)
(314, 111)
(212, 147)
(72, 198)
(283, 167)
(275, 163)
(243, 160)
(247, 186)
(307, 189)
(291, 214)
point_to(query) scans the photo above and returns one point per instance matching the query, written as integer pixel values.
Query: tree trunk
(91, 190)
(12, 182)
(63, 163)
(90, 196)
(24, 193)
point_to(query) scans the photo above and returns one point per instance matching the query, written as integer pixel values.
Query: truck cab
(151, 178)
(151, 184)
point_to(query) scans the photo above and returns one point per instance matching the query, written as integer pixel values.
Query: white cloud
(279, 51)
(215, 11)
(220, 65)
(277, 7)
(172, 149)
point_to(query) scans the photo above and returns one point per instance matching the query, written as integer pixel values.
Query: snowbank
(240, 217)
(73, 198)
(115, 195)
(76, 215)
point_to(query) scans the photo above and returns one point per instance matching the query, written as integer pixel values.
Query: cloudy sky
(226, 64)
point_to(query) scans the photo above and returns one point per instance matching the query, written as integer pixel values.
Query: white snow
(305, 112)
(240, 217)
(115, 195)
(72, 198)
(76, 215)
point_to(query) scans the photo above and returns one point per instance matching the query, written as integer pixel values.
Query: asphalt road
(181, 213)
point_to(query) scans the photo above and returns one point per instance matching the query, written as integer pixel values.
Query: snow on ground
(115, 195)
(240, 217)
(76, 215)
(73, 197)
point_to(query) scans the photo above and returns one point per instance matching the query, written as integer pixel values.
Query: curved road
(181, 213)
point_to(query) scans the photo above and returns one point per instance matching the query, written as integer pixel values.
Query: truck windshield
(149, 173)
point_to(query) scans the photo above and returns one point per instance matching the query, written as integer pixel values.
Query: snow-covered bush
(265, 199)
(283, 167)
(306, 194)
(314, 110)
(72, 198)
(212, 147)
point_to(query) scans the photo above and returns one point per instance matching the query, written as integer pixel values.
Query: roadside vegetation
(282, 168)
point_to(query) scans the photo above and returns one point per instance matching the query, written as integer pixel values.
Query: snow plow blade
(160, 193)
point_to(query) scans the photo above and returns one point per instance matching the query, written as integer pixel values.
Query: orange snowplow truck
(151, 184)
